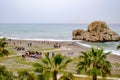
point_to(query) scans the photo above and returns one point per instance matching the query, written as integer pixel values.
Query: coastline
(67, 47)
(78, 42)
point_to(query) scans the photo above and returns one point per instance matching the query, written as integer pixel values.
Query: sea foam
(116, 52)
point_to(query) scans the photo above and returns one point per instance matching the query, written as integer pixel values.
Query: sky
(59, 11)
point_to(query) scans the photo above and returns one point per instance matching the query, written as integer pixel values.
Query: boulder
(96, 31)
(77, 33)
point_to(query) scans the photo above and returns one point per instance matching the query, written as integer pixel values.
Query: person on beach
(23, 56)
(30, 44)
(14, 43)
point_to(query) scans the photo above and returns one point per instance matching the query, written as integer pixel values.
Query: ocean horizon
(59, 32)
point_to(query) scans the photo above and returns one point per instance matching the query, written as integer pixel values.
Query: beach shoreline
(78, 43)
(66, 48)
(46, 43)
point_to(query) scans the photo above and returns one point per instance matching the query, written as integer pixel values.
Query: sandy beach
(65, 46)
(68, 48)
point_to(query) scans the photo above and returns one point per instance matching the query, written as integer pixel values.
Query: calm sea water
(39, 31)
(52, 31)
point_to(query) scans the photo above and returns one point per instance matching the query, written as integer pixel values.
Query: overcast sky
(59, 11)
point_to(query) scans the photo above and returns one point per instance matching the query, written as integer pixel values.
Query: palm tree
(3, 43)
(49, 68)
(26, 75)
(93, 62)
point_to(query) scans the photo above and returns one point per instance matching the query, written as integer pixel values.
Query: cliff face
(96, 31)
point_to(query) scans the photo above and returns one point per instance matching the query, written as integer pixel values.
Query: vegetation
(26, 75)
(5, 74)
(3, 51)
(49, 68)
(93, 62)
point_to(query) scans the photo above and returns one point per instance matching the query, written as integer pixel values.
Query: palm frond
(65, 62)
(46, 60)
(58, 59)
(38, 67)
(67, 76)
(94, 63)
(51, 64)
(48, 75)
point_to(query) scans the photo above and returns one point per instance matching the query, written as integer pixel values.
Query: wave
(113, 52)
(105, 51)
(83, 44)
(39, 39)
(79, 42)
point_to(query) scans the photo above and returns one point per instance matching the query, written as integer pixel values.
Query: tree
(93, 62)
(49, 68)
(3, 44)
(26, 75)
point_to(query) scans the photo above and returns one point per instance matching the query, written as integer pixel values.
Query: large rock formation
(97, 31)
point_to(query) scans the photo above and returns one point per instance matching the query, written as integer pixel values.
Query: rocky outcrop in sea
(97, 31)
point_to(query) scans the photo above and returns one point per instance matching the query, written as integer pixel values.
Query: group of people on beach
(29, 44)
(32, 54)
(19, 48)
(26, 45)
(57, 45)
(37, 55)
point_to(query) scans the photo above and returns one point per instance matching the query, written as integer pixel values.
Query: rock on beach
(97, 31)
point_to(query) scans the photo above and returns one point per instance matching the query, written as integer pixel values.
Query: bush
(5, 74)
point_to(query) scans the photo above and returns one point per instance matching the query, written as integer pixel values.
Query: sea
(56, 32)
